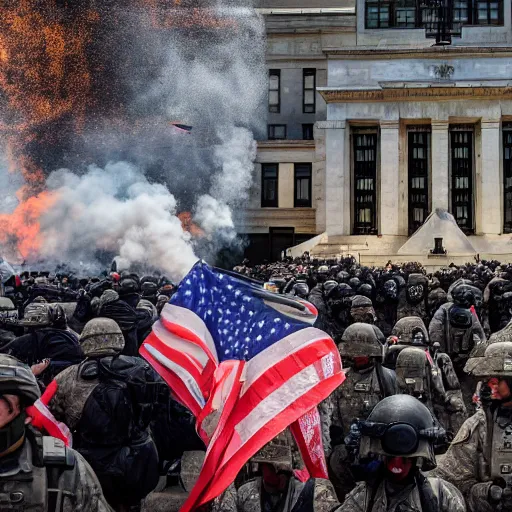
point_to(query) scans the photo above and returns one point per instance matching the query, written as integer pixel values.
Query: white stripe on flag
(183, 346)
(276, 402)
(187, 318)
(181, 372)
(261, 362)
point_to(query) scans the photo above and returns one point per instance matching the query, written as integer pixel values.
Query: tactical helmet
(17, 378)
(37, 314)
(417, 286)
(329, 286)
(149, 289)
(146, 305)
(128, 285)
(101, 337)
(323, 269)
(354, 282)
(107, 297)
(496, 361)
(361, 340)
(401, 426)
(407, 327)
(366, 290)
(300, 289)
(6, 304)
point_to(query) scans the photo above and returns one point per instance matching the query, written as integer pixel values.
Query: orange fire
(188, 225)
(23, 224)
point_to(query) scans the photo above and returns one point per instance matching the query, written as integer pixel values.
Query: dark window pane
(307, 131)
(302, 185)
(462, 178)
(418, 170)
(269, 185)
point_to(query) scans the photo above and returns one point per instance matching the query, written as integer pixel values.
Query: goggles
(400, 439)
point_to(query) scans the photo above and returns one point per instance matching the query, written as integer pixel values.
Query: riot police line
(422, 421)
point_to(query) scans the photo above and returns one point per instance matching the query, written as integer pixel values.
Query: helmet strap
(12, 435)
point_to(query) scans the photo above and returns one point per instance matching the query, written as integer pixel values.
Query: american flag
(248, 364)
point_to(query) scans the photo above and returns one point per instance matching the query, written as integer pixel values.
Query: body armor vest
(501, 456)
(359, 395)
(34, 485)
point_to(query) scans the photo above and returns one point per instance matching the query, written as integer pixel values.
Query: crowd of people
(422, 422)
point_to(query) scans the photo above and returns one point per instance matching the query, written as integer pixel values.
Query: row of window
(270, 185)
(365, 149)
(308, 91)
(421, 14)
(278, 131)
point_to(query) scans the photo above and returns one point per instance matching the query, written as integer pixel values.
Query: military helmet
(361, 340)
(16, 378)
(6, 304)
(37, 314)
(401, 426)
(277, 452)
(107, 297)
(406, 328)
(101, 337)
(300, 289)
(496, 361)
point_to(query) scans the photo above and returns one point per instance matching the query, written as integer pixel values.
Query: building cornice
(286, 144)
(428, 52)
(430, 93)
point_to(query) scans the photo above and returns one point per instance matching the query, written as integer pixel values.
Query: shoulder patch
(469, 426)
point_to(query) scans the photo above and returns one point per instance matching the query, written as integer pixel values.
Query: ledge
(286, 144)
(427, 93)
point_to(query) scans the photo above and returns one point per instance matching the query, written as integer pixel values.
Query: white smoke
(118, 210)
(10, 182)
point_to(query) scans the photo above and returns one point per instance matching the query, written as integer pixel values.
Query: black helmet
(366, 290)
(362, 340)
(407, 331)
(355, 282)
(300, 289)
(343, 276)
(401, 426)
(329, 286)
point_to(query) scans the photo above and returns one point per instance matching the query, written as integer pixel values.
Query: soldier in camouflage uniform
(107, 402)
(38, 473)
(399, 437)
(479, 460)
(277, 489)
(432, 372)
(367, 382)
(458, 331)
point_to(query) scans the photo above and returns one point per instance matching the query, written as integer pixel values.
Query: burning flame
(23, 224)
(188, 225)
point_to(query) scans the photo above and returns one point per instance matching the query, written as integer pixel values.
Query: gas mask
(415, 293)
(391, 289)
(12, 433)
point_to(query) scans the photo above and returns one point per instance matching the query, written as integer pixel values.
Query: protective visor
(400, 439)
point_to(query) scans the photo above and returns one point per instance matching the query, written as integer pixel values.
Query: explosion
(92, 83)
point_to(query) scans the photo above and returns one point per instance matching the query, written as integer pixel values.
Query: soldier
(479, 460)
(446, 398)
(48, 337)
(107, 402)
(387, 303)
(458, 331)
(412, 299)
(38, 473)
(367, 382)
(278, 490)
(399, 437)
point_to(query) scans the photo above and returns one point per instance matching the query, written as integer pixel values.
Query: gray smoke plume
(209, 74)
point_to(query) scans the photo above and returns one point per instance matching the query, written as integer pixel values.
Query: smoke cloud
(125, 170)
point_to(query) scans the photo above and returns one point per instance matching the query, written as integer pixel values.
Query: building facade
(287, 199)
(413, 113)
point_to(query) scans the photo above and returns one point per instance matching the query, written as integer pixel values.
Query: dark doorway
(280, 240)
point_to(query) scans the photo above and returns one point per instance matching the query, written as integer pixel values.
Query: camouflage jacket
(449, 499)
(248, 497)
(466, 463)
(72, 393)
(77, 486)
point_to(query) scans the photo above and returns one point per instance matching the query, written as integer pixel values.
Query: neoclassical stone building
(410, 127)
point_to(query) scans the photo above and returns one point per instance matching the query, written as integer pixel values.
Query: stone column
(491, 192)
(440, 186)
(337, 178)
(389, 178)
